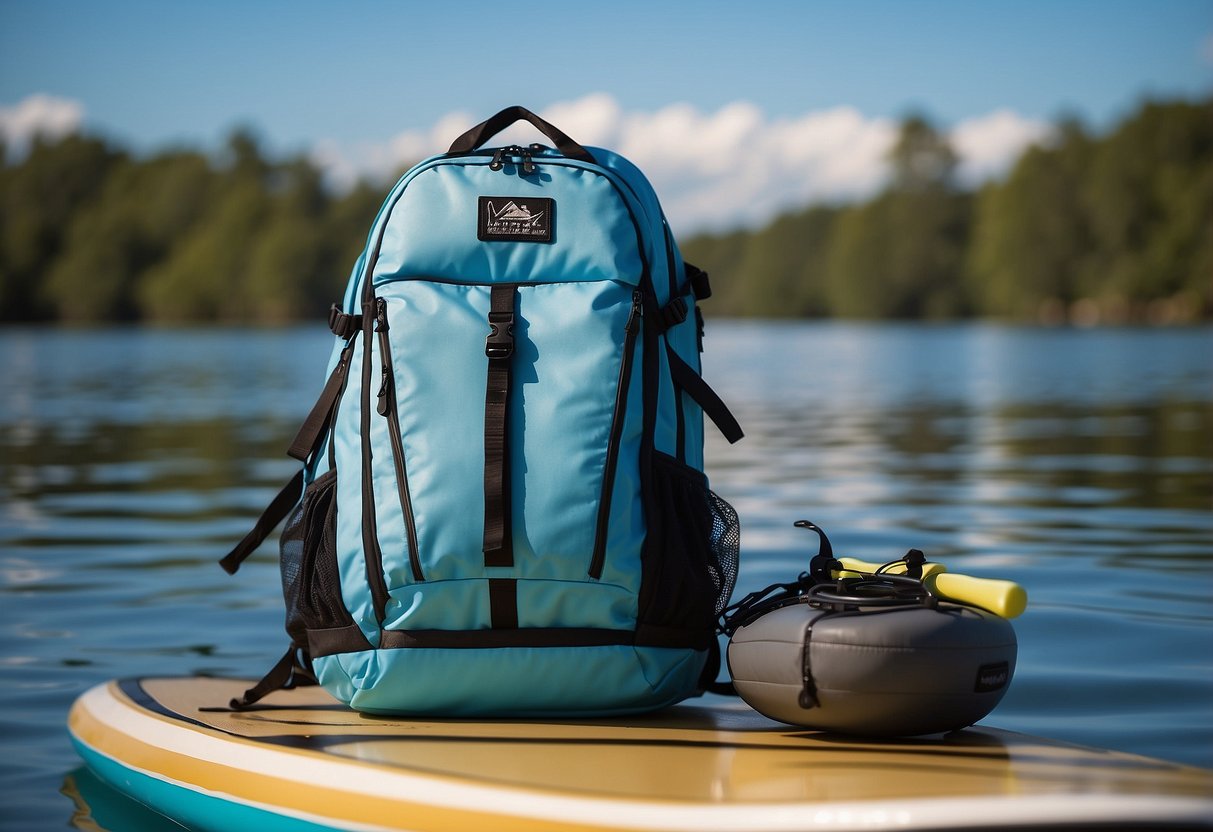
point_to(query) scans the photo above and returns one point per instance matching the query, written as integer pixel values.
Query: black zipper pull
(385, 382)
(512, 151)
(634, 315)
(380, 315)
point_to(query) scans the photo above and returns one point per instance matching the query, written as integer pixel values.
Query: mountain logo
(515, 219)
(512, 211)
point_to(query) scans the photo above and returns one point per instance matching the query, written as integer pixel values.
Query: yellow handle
(1004, 598)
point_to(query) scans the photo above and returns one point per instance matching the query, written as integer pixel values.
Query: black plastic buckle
(342, 324)
(700, 284)
(674, 312)
(500, 340)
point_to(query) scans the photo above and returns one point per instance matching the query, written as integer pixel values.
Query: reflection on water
(1079, 463)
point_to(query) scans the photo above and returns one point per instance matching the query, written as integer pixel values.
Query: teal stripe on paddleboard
(197, 810)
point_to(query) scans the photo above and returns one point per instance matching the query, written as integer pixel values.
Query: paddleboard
(300, 761)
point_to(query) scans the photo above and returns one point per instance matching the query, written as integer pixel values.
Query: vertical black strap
(499, 347)
(503, 603)
(680, 425)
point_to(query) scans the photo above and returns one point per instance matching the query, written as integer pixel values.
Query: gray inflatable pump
(882, 671)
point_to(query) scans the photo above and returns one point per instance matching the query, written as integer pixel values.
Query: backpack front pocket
(562, 427)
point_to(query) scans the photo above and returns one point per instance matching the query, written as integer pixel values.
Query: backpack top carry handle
(490, 127)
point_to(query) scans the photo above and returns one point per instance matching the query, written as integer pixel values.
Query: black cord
(820, 589)
(876, 590)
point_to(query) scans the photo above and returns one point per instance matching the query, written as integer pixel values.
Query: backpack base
(575, 681)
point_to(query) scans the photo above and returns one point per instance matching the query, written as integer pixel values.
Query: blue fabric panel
(563, 401)
(512, 682)
(440, 605)
(464, 605)
(438, 332)
(432, 229)
(650, 211)
(587, 604)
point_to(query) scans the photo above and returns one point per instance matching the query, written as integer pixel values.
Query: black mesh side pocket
(691, 553)
(311, 584)
(725, 548)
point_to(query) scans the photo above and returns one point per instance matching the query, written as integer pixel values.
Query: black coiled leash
(820, 588)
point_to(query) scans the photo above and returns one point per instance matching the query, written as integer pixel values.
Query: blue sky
(351, 78)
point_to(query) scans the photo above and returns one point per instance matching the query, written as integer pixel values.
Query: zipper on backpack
(386, 407)
(504, 154)
(631, 328)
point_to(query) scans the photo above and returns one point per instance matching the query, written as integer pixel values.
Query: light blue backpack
(503, 509)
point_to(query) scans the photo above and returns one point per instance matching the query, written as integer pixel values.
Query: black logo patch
(992, 677)
(516, 219)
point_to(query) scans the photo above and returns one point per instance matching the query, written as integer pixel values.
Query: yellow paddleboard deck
(300, 761)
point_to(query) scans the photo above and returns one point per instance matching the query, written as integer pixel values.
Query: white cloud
(989, 144)
(1206, 49)
(716, 171)
(36, 115)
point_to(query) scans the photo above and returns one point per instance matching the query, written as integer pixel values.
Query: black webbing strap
(711, 669)
(678, 310)
(499, 347)
(288, 673)
(307, 440)
(274, 514)
(503, 603)
(698, 279)
(673, 313)
(318, 419)
(343, 324)
(493, 125)
(694, 386)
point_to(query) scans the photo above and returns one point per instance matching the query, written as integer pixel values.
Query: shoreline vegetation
(1083, 230)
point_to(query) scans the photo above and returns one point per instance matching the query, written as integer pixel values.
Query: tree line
(92, 233)
(1088, 229)
(1083, 228)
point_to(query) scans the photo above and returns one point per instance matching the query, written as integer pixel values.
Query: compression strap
(499, 347)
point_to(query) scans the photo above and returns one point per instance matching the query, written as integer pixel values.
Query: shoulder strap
(317, 421)
(691, 383)
(307, 442)
(274, 514)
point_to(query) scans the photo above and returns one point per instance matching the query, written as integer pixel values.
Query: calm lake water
(1079, 463)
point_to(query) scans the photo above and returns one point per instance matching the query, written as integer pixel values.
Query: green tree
(900, 255)
(38, 200)
(140, 213)
(922, 160)
(206, 276)
(1149, 200)
(1031, 240)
